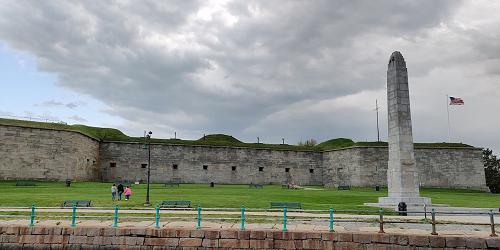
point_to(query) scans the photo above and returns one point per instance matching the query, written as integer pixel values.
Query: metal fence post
(198, 225)
(73, 216)
(242, 218)
(331, 219)
(425, 211)
(115, 222)
(381, 220)
(284, 219)
(433, 222)
(492, 222)
(32, 216)
(157, 217)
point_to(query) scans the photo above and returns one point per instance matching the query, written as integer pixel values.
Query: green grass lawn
(229, 196)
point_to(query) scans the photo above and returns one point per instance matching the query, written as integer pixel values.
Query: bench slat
(176, 203)
(78, 203)
(278, 204)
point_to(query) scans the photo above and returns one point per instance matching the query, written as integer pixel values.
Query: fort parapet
(53, 154)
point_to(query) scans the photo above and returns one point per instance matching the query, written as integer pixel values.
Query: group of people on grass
(120, 190)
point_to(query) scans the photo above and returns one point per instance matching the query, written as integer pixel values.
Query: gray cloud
(52, 103)
(77, 118)
(294, 69)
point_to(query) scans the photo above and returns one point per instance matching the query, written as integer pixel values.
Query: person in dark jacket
(120, 191)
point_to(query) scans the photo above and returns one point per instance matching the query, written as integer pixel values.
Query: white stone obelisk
(402, 174)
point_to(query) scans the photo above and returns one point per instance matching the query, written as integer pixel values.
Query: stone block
(381, 238)
(40, 247)
(284, 244)
(455, 242)
(140, 231)
(475, 243)
(328, 245)
(134, 240)
(77, 239)
(281, 235)
(258, 235)
(123, 231)
(67, 231)
(309, 235)
(197, 234)
(348, 245)
(39, 230)
(56, 231)
(53, 239)
(347, 237)
(436, 241)
(329, 236)
(9, 238)
(261, 244)
(94, 231)
(161, 242)
(109, 231)
(12, 230)
(493, 242)
(103, 240)
(210, 243)
(244, 235)
(31, 239)
(190, 242)
(418, 240)
(311, 244)
(362, 238)
(399, 239)
(153, 232)
(212, 234)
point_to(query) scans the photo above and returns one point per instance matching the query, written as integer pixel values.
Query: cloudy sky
(272, 69)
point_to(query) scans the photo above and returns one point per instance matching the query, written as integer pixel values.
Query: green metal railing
(327, 216)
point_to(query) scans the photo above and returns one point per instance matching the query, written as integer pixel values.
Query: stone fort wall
(46, 154)
(34, 153)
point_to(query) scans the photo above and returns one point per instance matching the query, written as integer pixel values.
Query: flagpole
(378, 131)
(448, 111)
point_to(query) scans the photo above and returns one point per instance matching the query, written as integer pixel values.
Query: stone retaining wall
(47, 154)
(15, 237)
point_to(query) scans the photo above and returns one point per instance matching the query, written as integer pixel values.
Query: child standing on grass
(113, 192)
(127, 193)
(120, 191)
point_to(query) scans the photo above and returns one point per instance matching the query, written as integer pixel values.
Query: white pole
(448, 111)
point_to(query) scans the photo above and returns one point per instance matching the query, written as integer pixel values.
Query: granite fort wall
(34, 153)
(437, 167)
(185, 164)
(13, 237)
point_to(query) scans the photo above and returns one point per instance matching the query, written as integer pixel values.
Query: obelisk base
(410, 201)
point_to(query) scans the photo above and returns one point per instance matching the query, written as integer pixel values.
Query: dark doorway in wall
(311, 170)
(205, 167)
(112, 164)
(144, 165)
(287, 170)
(233, 168)
(175, 167)
(261, 169)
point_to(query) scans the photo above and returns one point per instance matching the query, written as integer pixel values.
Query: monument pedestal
(410, 201)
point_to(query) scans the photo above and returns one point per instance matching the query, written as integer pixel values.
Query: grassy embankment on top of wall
(111, 134)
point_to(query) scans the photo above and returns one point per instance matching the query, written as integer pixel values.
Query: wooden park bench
(175, 203)
(171, 184)
(25, 183)
(344, 187)
(78, 203)
(255, 186)
(291, 205)
(285, 186)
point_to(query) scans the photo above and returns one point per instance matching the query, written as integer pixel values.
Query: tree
(308, 143)
(491, 170)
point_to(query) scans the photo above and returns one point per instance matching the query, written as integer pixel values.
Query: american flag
(456, 101)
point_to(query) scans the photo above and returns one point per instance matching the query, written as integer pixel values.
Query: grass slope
(231, 196)
(111, 134)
